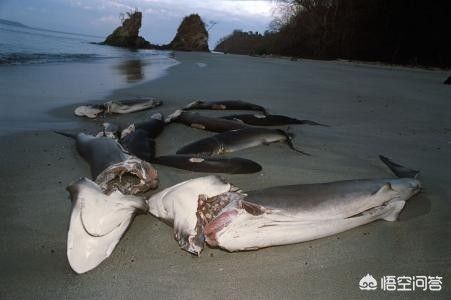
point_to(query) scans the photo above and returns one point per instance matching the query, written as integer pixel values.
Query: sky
(160, 17)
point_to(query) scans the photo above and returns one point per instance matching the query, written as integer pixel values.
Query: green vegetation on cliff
(191, 35)
(127, 35)
(399, 32)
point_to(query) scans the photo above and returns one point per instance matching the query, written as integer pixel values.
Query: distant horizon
(161, 18)
(21, 24)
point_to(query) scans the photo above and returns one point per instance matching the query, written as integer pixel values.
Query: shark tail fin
(290, 137)
(398, 170)
(312, 123)
(394, 211)
(69, 135)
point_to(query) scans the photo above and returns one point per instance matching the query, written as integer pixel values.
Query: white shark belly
(250, 232)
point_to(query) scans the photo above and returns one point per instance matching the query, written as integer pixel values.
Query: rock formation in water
(191, 35)
(127, 35)
(448, 81)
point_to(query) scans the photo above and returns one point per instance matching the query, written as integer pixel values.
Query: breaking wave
(39, 58)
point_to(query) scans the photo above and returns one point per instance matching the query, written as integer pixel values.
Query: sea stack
(127, 35)
(191, 35)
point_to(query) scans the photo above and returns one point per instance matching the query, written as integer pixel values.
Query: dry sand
(401, 113)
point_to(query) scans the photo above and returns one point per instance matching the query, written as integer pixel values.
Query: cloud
(109, 19)
(160, 21)
(162, 17)
(237, 8)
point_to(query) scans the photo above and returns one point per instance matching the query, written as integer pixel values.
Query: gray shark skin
(270, 120)
(237, 221)
(198, 121)
(233, 165)
(225, 105)
(236, 140)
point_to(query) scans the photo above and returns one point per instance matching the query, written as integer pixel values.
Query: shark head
(179, 204)
(97, 223)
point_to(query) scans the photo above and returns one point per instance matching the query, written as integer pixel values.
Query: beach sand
(398, 112)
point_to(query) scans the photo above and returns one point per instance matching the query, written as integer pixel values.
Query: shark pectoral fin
(385, 189)
(394, 208)
(398, 170)
(388, 212)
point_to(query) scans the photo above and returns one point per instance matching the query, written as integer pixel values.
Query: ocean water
(43, 70)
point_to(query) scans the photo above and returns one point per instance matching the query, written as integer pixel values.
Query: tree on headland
(400, 32)
(127, 35)
(211, 24)
(191, 34)
(240, 42)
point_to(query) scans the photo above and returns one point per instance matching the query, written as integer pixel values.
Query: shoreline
(380, 64)
(64, 112)
(43, 93)
(397, 113)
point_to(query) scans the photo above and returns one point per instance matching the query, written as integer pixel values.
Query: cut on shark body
(177, 205)
(292, 214)
(209, 210)
(112, 168)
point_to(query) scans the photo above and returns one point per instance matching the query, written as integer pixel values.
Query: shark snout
(406, 187)
(416, 187)
(415, 184)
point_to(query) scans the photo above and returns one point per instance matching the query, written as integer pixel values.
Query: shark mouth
(130, 177)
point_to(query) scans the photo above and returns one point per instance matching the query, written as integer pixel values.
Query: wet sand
(398, 112)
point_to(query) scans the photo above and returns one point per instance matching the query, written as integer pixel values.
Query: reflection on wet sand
(132, 69)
